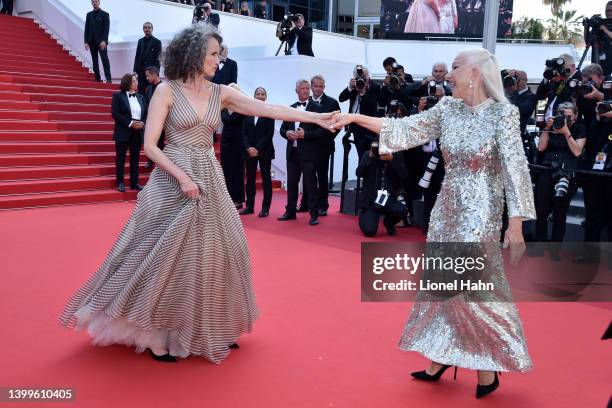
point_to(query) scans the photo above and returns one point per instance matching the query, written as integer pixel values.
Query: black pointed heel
(166, 358)
(234, 346)
(423, 375)
(484, 390)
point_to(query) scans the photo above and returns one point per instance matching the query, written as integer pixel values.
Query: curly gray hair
(184, 56)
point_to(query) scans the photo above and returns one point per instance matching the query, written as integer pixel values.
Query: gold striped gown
(179, 274)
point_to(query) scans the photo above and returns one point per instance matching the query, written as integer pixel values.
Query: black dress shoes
(314, 220)
(391, 230)
(287, 217)
(137, 187)
(263, 213)
(246, 211)
(322, 213)
(121, 187)
(302, 208)
(166, 358)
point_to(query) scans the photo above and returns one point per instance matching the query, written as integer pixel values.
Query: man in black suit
(300, 38)
(302, 153)
(227, 72)
(261, 10)
(147, 55)
(152, 76)
(97, 26)
(204, 14)
(129, 109)
(258, 148)
(521, 96)
(364, 96)
(557, 89)
(7, 7)
(327, 146)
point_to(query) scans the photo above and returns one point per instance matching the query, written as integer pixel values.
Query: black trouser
(430, 194)
(295, 169)
(7, 7)
(393, 212)
(265, 168)
(121, 149)
(142, 82)
(362, 144)
(598, 208)
(95, 49)
(545, 202)
(232, 163)
(322, 171)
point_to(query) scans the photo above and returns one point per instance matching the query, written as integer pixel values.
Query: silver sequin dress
(484, 159)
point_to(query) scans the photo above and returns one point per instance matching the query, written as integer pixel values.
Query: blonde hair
(489, 71)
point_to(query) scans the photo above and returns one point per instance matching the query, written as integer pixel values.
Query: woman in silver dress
(178, 279)
(481, 144)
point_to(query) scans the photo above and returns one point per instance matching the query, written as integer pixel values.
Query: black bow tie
(301, 103)
(132, 95)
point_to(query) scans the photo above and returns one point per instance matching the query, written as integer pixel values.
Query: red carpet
(315, 345)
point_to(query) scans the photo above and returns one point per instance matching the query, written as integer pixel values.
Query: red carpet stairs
(55, 125)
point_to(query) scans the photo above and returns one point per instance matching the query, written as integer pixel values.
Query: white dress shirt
(297, 125)
(293, 50)
(134, 107)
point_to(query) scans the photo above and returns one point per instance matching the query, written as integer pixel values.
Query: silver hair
(568, 59)
(440, 64)
(489, 71)
(300, 82)
(184, 56)
(568, 105)
(366, 71)
(318, 77)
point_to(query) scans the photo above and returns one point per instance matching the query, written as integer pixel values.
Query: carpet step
(69, 72)
(90, 100)
(66, 159)
(57, 65)
(63, 90)
(59, 58)
(54, 172)
(62, 185)
(54, 116)
(55, 136)
(69, 198)
(51, 81)
(7, 125)
(57, 107)
(56, 147)
(90, 77)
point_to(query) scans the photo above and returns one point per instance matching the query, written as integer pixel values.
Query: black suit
(368, 105)
(327, 146)
(260, 137)
(302, 159)
(556, 92)
(126, 137)
(526, 103)
(232, 160)
(147, 55)
(228, 74)
(304, 40)
(7, 7)
(97, 26)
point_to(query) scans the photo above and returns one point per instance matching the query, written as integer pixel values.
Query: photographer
(203, 14)
(382, 179)
(432, 88)
(605, 56)
(598, 190)
(559, 84)
(395, 87)
(561, 142)
(590, 92)
(364, 96)
(300, 37)
(519, 94)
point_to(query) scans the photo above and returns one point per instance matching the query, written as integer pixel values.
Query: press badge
(600, 161)
(382, 197)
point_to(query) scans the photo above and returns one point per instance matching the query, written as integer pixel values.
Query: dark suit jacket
(329, 104)
(526, 103)
(122, 114)
(228, 74)
(232, 131)
(307, 148)
(259, 136)
(97, 26)
(304, 38)
(369, 107)
(371, 169)
(548, 90)
(147, 56)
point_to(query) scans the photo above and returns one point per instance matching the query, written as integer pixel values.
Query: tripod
(286, 44)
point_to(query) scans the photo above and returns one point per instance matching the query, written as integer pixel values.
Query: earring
(471, 83)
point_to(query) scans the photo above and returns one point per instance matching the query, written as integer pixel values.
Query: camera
(562, 177)
(286, 25)
(508, 80)
(586, 88)
(559, 121)
(198, 13)
(394, 78)
(374, 149)
(431, 101)
(554, 68)
(596, 21)
(604, 107)
(396, 109)
(360, 82)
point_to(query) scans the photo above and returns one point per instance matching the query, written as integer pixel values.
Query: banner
(418, 19)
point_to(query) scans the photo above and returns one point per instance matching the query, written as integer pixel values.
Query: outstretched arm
(237, 102)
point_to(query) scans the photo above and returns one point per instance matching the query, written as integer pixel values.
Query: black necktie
(301, 103)
(132, 95)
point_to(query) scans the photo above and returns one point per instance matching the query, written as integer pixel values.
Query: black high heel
(166, 358)
(423, 375)
(234, 346)
(483, 390)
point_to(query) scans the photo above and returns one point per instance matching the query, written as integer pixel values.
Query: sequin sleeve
(411, 131)
(515, 171)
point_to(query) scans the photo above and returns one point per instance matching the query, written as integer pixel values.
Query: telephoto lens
(429, 170)
(561, 187)
(559, 121)
(604, 107)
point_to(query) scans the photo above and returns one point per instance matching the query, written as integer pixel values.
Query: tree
(555, 5)
(528, 29)
(565, 26)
